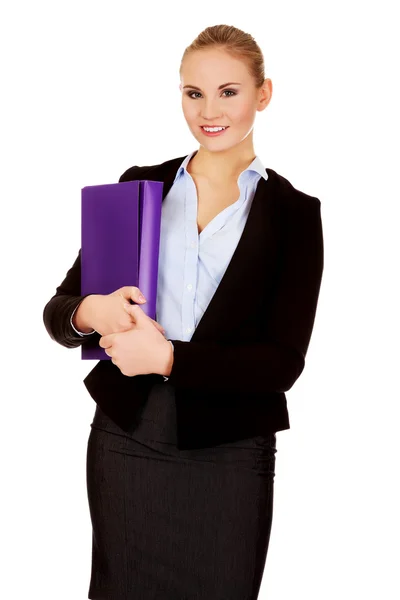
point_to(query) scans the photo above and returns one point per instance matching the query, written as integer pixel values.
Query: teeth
(214, 128)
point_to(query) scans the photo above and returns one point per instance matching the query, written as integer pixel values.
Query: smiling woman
(231, 106)
(180, 473)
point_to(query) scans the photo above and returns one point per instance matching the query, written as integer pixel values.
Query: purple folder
(120, 241)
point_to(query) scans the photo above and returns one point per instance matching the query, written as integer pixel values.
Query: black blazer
(250, 345)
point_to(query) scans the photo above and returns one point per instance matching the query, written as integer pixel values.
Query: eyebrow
(220, 87)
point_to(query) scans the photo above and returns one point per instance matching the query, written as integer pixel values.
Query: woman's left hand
(140, 350)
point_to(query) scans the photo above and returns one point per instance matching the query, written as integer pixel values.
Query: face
(234, 106)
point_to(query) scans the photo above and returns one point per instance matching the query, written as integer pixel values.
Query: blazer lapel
(251, 264)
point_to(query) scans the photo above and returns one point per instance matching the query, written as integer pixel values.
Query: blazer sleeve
(276, 362)
(58, 311)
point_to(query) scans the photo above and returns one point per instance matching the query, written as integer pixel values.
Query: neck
(222, 165)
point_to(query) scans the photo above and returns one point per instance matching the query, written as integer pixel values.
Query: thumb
(134, 310)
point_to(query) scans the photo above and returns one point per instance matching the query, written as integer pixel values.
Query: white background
(90, 89)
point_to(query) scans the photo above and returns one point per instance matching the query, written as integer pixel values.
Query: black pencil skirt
(173, 524)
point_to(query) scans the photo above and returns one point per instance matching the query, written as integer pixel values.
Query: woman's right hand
(106, 313)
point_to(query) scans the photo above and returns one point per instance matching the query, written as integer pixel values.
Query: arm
(73, 326)
(274, 364)
(169, 366)
(57, 314)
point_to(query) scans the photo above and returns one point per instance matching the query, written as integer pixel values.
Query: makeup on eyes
(234, 92)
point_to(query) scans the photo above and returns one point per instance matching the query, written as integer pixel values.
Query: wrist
(82, 318)
(168, 359)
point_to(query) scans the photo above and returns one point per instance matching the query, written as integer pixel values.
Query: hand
(106, 313)
(141, 350)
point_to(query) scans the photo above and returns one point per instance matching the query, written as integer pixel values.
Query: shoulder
(298, 213)
(289, 196)
(145, 171)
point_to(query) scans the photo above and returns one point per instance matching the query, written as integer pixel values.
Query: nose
(210, 111)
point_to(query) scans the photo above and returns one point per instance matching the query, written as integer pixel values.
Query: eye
(194, 92)
(190, 94)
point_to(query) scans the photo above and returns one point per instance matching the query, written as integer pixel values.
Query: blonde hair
(235, 42)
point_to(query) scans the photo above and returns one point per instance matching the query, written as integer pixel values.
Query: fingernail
(142, 298)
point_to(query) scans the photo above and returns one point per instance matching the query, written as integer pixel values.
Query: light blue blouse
(191, 265)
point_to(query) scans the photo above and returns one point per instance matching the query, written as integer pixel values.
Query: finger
(133, 311)
(132, 292)
(107, 340)
(159, 327)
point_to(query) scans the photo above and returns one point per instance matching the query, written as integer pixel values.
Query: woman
(180, 468)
